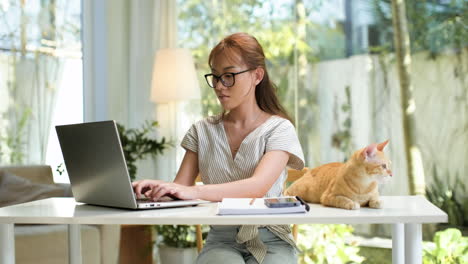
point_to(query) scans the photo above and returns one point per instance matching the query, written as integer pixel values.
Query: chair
(293, 175)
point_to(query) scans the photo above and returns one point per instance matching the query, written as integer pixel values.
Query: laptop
(97, 169)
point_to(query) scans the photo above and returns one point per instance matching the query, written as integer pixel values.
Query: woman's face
(243, 89)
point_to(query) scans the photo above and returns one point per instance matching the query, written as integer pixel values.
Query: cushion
(34, 173)
(15, 190)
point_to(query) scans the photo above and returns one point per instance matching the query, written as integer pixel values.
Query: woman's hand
(155, 189)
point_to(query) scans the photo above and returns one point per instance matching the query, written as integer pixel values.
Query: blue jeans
(221, 247)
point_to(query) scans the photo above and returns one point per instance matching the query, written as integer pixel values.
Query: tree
(284, 30)
(415, 170)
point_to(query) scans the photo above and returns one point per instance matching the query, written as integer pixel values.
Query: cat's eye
(384, 166)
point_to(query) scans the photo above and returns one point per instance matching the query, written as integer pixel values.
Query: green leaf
(138, 144)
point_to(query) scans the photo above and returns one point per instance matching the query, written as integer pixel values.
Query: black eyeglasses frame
(219, 78)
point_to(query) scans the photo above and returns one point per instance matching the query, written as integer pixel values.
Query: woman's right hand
(145, 187)
(155, 189)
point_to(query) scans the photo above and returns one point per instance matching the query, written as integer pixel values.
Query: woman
(243, 152)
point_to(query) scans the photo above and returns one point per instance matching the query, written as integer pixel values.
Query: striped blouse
(216, 164)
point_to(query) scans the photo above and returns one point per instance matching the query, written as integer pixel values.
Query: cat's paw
(351, 206)
(377, 204)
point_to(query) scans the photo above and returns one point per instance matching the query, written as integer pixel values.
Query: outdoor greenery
(450, 197)
(326, 244)
(290, 41)
(450, 248)
(36, 37)
(12, 138)
(376, 255)
(138, 144)
(342, 138)
(321, 244)
(434, 26)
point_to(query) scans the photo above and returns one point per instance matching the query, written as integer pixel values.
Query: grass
(375, 255)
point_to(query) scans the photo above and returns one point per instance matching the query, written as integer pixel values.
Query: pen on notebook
(307, 207)
(252, 201)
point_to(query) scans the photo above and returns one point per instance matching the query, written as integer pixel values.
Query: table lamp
(174, 83)
(174, 76)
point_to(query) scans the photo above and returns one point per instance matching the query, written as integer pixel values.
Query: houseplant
(177, 243)
(138, 144)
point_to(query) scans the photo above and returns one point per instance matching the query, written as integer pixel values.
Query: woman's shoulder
(208, 122)
(276, 121)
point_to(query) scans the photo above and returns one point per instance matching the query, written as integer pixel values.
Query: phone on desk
(282, 202)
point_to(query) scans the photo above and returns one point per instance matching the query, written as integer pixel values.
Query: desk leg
(7, 244)
(74, 244)
(398, 244)
(413, 242)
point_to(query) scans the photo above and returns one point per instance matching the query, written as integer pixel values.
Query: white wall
(441, 95)
(440, 91)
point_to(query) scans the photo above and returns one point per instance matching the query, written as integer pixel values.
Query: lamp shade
(174, 76)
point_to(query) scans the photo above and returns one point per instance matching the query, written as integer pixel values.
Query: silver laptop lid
(96, 164)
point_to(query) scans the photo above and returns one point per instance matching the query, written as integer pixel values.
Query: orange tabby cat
(347, 185)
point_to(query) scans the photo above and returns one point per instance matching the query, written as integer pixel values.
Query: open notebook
(245, 206)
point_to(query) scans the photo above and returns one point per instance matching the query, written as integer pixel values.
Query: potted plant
(137, 144)
(176, 243)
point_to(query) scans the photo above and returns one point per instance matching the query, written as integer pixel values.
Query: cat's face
(376, 164)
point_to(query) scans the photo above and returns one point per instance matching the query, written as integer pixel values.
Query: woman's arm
(267, 172)
(188, 170)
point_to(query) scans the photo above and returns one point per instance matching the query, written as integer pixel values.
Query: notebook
(96, 166)
(247, 206)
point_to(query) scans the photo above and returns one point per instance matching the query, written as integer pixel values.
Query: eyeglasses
(227, 79)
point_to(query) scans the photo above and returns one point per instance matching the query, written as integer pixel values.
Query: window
(294, 34)
(40, 72)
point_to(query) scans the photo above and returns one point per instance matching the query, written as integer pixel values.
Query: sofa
(48, 243)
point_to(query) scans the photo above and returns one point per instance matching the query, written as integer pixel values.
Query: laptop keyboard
(144, 200)
(161, 200)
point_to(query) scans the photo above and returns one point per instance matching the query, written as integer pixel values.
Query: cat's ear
(369, 151)
(382, 145)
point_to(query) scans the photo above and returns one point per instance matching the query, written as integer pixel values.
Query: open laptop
(97, 169)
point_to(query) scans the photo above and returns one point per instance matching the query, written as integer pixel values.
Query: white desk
(405, 213)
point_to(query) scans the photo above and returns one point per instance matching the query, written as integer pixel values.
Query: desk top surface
(396, 209)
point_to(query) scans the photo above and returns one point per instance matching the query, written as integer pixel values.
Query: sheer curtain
(120, 40)
(175, 117)
(29, 81)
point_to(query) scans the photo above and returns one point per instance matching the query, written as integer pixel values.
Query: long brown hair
(250, 51)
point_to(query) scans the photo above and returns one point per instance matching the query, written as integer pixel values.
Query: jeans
(221, 247)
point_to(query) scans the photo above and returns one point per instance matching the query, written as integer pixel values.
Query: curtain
(120, 41)
(29, 84)
(175, 117)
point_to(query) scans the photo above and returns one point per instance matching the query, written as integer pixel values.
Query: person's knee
(285, 254)
(218, 255)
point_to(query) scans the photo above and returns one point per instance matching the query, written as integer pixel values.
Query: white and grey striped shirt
(216, 165)
(208, 139)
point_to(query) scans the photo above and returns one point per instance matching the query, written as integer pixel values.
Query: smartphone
(282, 202)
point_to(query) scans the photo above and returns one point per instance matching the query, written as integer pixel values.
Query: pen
(307, 207)
(252, 201)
